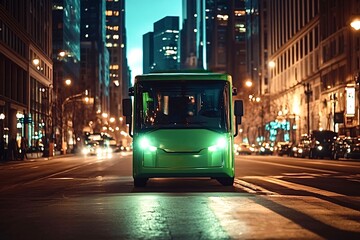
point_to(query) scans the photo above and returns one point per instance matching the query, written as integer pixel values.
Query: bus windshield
(183, 104)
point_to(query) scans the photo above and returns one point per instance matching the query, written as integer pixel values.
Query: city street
(76, 197)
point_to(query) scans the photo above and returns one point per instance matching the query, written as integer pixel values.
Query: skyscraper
(115, 42)
(66, 58)
(148, 52)
(166, 44)
(95, 57)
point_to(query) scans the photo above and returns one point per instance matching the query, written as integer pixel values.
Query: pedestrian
(13, 149)
(2, 149)
(23, 148)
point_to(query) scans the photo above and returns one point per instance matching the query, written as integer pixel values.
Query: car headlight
(85, 151)
(98, 151)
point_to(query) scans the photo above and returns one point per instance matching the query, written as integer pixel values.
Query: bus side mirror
(238, 111)
(127, 109)
(127, 112)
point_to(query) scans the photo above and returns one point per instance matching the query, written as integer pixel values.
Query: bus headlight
(146, 145)
(221, 143)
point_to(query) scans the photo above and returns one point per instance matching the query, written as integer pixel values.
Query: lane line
(289, 166)
(251, 188)
(297, 187)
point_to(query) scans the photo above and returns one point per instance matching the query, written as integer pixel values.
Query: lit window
(86, 35)
(86, 26)
(116, 82)
(109, 45)
(56, 7)
(108, 36)
(116, 37)
(122, 45)
(222, 17)
(109, 13)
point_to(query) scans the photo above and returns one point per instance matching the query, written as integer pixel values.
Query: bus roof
(183, 76)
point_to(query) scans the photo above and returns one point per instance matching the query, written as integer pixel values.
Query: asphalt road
(94, 198)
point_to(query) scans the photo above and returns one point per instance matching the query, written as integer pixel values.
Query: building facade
(315, 56)
(26, 72)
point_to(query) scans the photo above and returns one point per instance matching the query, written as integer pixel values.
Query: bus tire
(226, 181)
(140, 182)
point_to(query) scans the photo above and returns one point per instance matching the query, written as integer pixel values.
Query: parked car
(301, 150)
(244, 149)
(266, 149)
(323, 144)
(284, 148)
(343, 145)
(354, 149)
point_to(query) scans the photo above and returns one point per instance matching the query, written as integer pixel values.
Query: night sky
(140, 17)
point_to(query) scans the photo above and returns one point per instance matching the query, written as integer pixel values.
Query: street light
(68, 82)
(355, 24)
(271, 64)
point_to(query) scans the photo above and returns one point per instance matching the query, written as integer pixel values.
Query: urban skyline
(140, 20)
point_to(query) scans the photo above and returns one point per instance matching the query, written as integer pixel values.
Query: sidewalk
(37, 156)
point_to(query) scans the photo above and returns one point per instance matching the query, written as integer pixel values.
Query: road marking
(247, 218)
(288, 166)
(324, 211)
(251, 188)
(295, 186)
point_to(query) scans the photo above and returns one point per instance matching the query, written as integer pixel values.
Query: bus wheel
(140, 182)
(226, 181)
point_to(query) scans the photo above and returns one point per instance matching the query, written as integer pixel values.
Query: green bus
(183, 125)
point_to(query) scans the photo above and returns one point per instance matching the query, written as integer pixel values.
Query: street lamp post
(355, 24)
(308, 94)
(63, 126)
(334, 99)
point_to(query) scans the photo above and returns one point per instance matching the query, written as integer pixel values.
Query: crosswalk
(308, 213)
